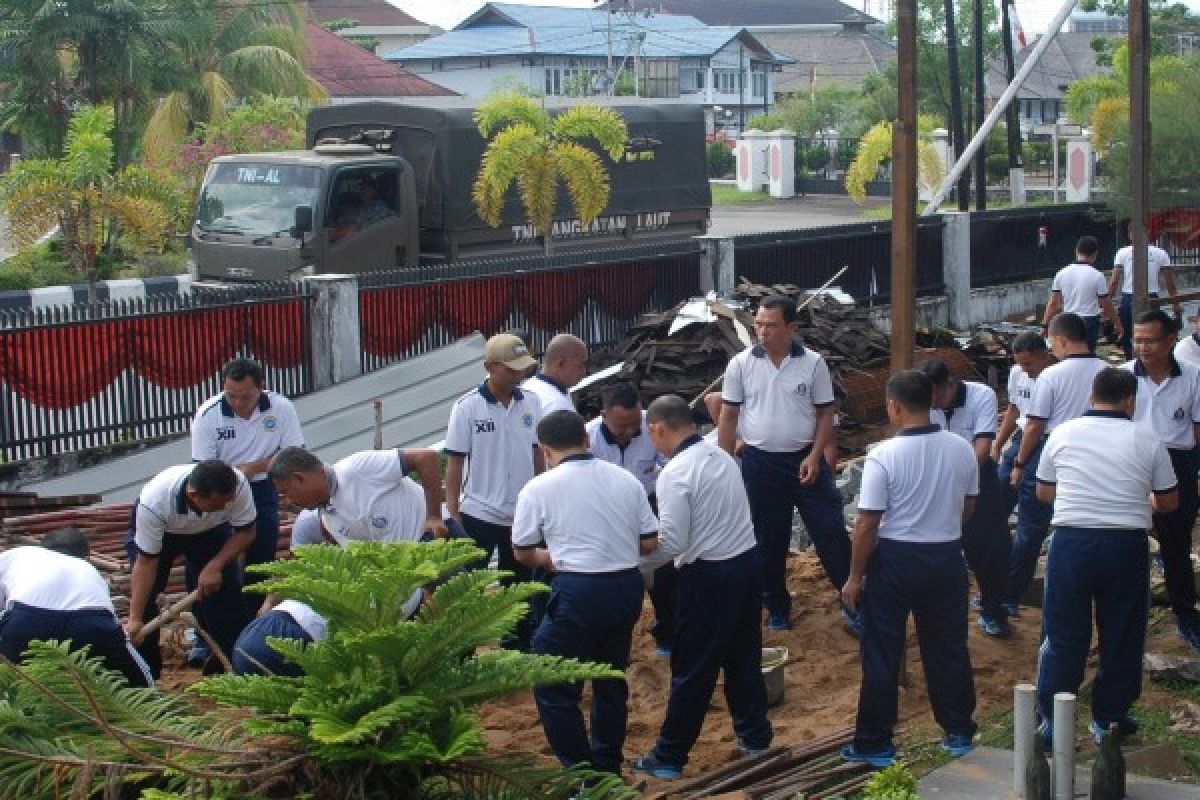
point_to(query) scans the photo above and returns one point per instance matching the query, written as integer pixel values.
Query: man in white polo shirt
(1168, 409)
(1158, 276)
(492, 452)
(564, 364)
(586, 522)
(1032, 358)
(1062, 392)
(778, 398)
(620, 436)
(244, 426)
(1080, 289)
(1188, 349)
(705, 525)
(205, 513)
(288, 619)
(917, 488)
(1104, 475)
(367, 496)
(52, 593)
(969, 409)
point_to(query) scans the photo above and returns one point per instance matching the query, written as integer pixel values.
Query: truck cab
(338, 208)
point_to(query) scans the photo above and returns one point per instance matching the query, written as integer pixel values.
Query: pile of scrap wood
(813, 771)
(17, 504)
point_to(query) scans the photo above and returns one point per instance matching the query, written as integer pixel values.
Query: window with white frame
(758, 83)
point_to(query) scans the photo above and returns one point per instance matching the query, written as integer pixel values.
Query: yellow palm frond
(167, 125)
(509, 109)
(538, 184)
(218, 94)
(506, 157)
(585, 177)
(593, 122)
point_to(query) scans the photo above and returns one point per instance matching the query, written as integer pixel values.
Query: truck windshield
(257, 199)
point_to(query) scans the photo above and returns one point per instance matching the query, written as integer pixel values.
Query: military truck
(387, 186)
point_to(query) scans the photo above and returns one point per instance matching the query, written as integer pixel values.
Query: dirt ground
(822, 682)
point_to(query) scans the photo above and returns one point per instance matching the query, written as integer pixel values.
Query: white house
(578, 52)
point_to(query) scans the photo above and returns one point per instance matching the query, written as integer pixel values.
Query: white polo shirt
(920, 479)
(1020, 392)
(777, 404)
(163, 507)
(639, 457)
(973, 415)
(1157, 260)
(590, 514)
(552, 395)
(217, 432)
(1064, 391)
(1104, 468)
(1081, 286)
(372, 500)
(312, 622)
(703, 512)
(498, 444)
(1188, 350)
(46, 579)
(1168, 411)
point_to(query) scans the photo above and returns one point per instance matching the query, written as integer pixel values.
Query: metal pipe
(904, 190)
(378, 424)
(1064, 746)
(1024, 731)
(998, 110)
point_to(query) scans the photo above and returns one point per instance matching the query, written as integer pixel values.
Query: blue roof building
(581, 52)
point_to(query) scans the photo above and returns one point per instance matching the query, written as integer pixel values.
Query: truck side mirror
(304, 221)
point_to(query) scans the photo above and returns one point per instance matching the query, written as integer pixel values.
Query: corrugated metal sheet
(417, 395)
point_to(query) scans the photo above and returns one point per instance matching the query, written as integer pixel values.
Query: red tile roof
(367, 12)
(347, 70)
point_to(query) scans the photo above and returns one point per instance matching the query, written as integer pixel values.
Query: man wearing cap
(205, 513)
(1080, 289)
(492, 452)
(564, 364)
(244, 426)
(52, 592)
(620, 436)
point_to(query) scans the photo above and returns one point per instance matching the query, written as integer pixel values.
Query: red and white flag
(1018, 33)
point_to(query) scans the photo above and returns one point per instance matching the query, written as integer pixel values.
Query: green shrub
(387, 708)
(893, 783)
(720, 159)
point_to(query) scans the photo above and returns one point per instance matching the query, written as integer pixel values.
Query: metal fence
(1177, 230)
(595, 295)
(1007, 245)
(78, 377)
(810, 257)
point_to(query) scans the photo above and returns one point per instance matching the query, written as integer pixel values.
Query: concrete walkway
(986, 774)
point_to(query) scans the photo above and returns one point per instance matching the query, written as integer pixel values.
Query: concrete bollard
(1064, 746)
(1024, 733)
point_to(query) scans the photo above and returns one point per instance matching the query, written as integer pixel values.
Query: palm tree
(55, 56)
(537, 151)
(234, 50)
(81, 196)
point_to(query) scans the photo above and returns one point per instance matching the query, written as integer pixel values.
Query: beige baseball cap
(509, 350)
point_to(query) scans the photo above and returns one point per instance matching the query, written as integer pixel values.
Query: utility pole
(610, 80)
(981, 159)
(1139, 141)
(957, 129)
(904, 190)
(1016, 165)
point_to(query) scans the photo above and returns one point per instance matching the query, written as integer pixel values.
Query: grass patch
(725, 195)
(1156, 727)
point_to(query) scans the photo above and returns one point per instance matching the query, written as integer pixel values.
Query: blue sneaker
(997, 629)
(977, 603)
(853, 621)
(779, 622)
(662, 650)
(650, 765)
(1013, 609)
(958, 744)
(1045, 736)
(881, 758)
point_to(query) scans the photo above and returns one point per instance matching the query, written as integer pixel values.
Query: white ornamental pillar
(781, 163)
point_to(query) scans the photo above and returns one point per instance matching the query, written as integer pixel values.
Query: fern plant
(387, 706)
